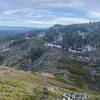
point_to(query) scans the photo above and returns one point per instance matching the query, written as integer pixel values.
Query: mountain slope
(66, 58)
(15, 84)
(58, 62)
(84, 38)
(30, 53)
(21, 52)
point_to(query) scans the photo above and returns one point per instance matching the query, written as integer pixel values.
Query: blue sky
(45, 13)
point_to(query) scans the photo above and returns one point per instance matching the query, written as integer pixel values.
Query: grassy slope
(75, 77)
(19, 85)
(15, 84)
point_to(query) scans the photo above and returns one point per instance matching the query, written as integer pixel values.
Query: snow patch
(53, 45)
(89, 48)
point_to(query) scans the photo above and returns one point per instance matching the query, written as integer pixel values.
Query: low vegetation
(20, 85)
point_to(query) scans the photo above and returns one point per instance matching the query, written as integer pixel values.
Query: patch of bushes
(77, 81)
(18, 41)
(73, 67)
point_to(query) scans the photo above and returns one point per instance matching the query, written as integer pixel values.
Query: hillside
(83, 38)
(59, 63)
(15, 84)
(29, 53)
(21, 52)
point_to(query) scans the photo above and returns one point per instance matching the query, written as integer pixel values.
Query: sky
(45, 13)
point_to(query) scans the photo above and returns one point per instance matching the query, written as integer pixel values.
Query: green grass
(73, 67)
(94, 97)
(14, 89)
(76, 73)
(20, 85)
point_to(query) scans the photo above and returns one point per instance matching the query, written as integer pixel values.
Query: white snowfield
(53, 45)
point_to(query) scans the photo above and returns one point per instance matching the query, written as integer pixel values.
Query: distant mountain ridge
(11, 30)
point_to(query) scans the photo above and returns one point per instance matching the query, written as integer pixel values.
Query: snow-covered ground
(73, 51)
(53, 45)
(83, 34)
(84, 49)
(88, 48)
